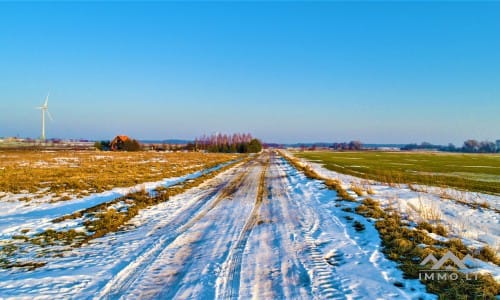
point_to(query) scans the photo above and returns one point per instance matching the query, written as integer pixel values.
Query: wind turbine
(45, 109)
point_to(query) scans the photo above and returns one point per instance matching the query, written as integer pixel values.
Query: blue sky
(285, 71)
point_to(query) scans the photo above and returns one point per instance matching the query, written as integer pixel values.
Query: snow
(218, 241)
(477, 227)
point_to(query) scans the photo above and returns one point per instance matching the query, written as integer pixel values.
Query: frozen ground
(260, 230)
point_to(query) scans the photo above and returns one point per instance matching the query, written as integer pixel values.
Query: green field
(473, 172)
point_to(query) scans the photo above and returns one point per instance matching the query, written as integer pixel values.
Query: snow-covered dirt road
(258, 230)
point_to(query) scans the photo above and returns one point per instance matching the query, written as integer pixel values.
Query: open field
(473, 172)
(63, 175)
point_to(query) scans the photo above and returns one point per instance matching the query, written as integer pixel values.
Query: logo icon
(447, 267)
(438, 264)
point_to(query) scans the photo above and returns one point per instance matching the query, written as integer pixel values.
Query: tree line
(352, 145)
(344, 146)
(235, 143)
(227, 143)
(469, 146)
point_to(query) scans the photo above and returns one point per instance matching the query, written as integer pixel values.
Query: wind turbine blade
(50, 116)
(46, 101)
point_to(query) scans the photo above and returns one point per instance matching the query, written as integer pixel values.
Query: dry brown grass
(357, 189)
(82, 172)
(401, 244)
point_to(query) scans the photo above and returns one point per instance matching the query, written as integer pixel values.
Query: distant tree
(242, 148)
(355, 145)
(410, 147)
(487, 147)
(130, 145)
(352, 145)
(426, 145)
(471, 146)
(254, 146)
(451, 148)
(102, 145)
(423, 145)
(191, 146)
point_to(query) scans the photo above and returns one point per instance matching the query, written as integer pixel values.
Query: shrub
(457, 246)
(357, 189)
(489, 254)
(437, 229)
(440, 229)
(254, 146)
(370, 208)
(131, 145)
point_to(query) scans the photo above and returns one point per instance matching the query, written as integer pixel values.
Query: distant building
(118, 142)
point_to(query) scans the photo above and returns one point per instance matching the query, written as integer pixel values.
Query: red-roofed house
(118, 141)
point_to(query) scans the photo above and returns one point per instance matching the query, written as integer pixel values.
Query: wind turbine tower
(45, 109)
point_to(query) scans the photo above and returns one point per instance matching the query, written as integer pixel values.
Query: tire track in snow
(189, 266)
(132, 271)
(293, 280)
(325, 284)
(232, 266)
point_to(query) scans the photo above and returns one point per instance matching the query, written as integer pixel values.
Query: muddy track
(132, 271)
(232, 266)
